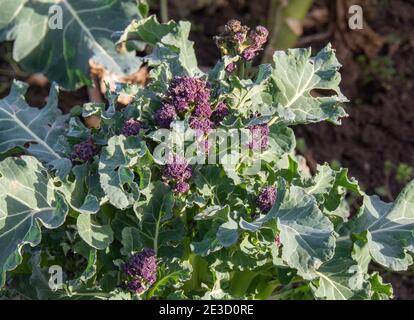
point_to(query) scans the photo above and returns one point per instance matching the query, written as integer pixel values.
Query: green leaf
(246, 94)
(63, 53)
(341, 278)
(296, 75)
(380, 290)
(28, 200)
(148, 30)
(131, 241)
(179, 41)
(390, 228)
(214, 212)
(116, 170)
(159, 229)
(228, 233)
(96, 235)
(36, 130)
(76, 192)
(170, 41)
(306, 234)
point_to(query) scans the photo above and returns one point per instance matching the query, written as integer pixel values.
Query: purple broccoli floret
(185, 93)
(181, 187)
(176, 172)
(219, 113)
(177, 168)
(202, 109)
(266, 199)
(249, 54)
(203, 125)
(131, 127)
(259, 136)
(165, 115)
(231, 67)
(84, 151)
(141, 270)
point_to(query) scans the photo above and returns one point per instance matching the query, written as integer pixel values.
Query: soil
(378, 79)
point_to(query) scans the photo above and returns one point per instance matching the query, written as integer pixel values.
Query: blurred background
(376, 142)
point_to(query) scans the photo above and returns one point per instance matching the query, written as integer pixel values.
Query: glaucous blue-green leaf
(159, 229)
(76, 192)
(213, 212)
(296, 76)
(131, 241)
(36, 131)
(172, 276)
(116, 170)
(211, 182)
(390, 228)
(28, 200)
(97, 235)
(246, 95)
(170, 41)
(58, 37)
(341, 278)
(228, 233)
(306, 234)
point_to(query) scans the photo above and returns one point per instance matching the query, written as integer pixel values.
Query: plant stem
(286, 25)
(164, 10)
(241, 69)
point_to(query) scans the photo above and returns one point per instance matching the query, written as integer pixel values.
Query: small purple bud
(165, 115)
(249, 54)
(219, 113)
(231, 67)
(181, 187)
(203, 125)
(140, 271)
(84, 151)
(131, 127)
(266, 199)
(259, 136)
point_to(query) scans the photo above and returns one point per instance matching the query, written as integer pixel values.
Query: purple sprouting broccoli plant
(176, 173)
(266, 199)
(259, 134)
(131, 127)
(140, 271)
(84, 151)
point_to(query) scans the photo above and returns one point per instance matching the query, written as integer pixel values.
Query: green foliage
(212, 241)
(63, 52)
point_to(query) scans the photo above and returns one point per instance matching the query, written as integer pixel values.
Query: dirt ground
(378, 79)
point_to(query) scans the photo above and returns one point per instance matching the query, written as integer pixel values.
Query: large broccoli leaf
(28, 199)
(297, 76)
(306, 234)
(36, 130)
(159, 228)
(116, 170)
(388, 229)
(170, 42)
(63, 53)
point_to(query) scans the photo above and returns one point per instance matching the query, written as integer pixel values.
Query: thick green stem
(286, 27)
(164, 10)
